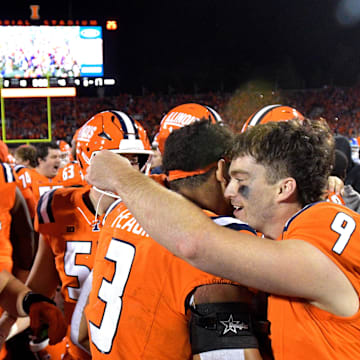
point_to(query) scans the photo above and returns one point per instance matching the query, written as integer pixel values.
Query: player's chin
(55, 170)
(239, 212)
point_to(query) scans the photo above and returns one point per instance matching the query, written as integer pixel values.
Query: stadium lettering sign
(20, 22)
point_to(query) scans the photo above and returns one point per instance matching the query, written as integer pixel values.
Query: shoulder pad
(44, 208)
(8, 173)
(233, 223)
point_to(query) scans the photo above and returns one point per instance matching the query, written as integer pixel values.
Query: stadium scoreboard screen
(54, 54)
(50, 58)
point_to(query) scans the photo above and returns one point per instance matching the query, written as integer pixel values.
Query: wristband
(31, 298)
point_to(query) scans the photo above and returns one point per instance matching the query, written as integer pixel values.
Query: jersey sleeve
(44, 217)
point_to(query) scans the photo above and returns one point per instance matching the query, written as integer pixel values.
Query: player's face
(250, 194)
(156, 158)
(20, 161)
(134, 160)
(64, 159)
(51, 164)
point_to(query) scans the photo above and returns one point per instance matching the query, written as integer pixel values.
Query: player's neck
(43, 172)
(208, 196)
(274, 228)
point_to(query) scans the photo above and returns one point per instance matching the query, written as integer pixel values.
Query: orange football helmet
(276, 112)
(115, 131)
(180, 116)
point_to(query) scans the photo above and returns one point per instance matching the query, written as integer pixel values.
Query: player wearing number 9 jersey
(69, 219)
(301, 328)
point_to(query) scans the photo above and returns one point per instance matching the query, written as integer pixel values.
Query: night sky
(207, 45)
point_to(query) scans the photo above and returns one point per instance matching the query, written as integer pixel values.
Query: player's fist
(45, 315)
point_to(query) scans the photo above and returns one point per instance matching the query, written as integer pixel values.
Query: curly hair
(194, 147)
(303, 150)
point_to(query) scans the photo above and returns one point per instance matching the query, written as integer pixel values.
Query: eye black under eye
(244, 190)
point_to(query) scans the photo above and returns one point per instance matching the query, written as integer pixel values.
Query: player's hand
(46, 314)
(335, 185)
(105, 168)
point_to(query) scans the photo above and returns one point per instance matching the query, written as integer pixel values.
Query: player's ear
(222, 172)
(286, 189)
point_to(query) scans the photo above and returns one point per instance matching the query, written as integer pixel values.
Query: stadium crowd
(339, 106)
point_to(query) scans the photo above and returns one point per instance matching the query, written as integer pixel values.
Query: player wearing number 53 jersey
(68, 219)
(69, 230)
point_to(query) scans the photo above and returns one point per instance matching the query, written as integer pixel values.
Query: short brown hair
(303, 150)
(27, 152)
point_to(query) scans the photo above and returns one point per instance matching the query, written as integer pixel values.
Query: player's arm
(222, 323)
(292, 268)
(18, 300)
(22, 233)
(43, 277)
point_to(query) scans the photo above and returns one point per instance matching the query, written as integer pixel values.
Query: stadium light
(111, 25)
(38, 92)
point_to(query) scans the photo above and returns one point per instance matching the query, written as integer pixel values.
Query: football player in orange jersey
(26, 155)
(43, 177)
(65, 149)
(143, 299)
(25, 160)
(182, 115)
(16, 229)
(70, 173)
(278, 112)
(69, 219)
(16, 232)
(274, 112)
(310, 255)
(23, 179)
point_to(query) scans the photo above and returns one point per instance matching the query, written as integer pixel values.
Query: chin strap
(108, 193)
(98, 204)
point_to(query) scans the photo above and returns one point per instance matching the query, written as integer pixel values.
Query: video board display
(51, 51)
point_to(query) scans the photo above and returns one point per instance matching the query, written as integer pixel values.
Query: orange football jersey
(71, 175)
(69, 227)
(138, 301)
(300, 330)
(23, 180)
(40, 184)
(7, 201)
